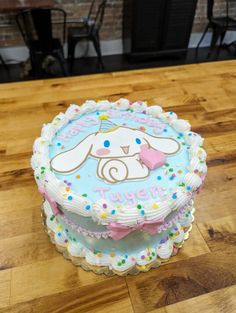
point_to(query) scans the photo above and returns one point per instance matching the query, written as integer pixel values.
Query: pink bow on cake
(119, 231)
(51, 201)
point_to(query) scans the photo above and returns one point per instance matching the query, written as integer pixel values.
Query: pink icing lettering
(142, 194)
(155, 190)
(102, 191)
(130, 196)
(116, 197)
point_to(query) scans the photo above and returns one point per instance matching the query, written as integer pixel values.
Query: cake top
(119, 162)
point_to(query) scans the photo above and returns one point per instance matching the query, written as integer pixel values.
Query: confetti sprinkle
(103, 215)
(159, 177)
(180, 171)
(77, 176)
(155, 206)
(70, 198)
(113, 212)
(142, 212)
(88, 207)
(58, 144)
(104, 205)
(103, 117)
(174, 196)
(139, 206)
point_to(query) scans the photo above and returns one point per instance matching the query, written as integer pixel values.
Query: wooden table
(201, 278)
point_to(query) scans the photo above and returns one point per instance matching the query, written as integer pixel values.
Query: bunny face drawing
(118, 150)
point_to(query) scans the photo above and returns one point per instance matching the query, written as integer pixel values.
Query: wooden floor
(201, 278)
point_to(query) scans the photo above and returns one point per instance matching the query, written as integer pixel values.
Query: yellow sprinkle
(103, 117)
(119, 206)
(77, 176)
(199, 151)
(112, 254)
(99, 255)
(155, 206)
(103, 215)
(180, 171)
(143, 267)
(59, 227)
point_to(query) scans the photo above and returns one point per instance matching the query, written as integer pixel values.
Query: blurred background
(55, 38)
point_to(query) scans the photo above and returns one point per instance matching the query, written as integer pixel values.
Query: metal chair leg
(215, 36)
(71, 53)
(4, 63)
(201, 39)
(62, 61)
(96, 42)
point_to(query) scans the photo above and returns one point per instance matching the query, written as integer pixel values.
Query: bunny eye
(138, 141)
(106, 143)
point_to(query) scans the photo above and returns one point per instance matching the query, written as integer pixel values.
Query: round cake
(118, 181)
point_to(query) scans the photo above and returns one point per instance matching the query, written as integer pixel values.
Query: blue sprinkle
(174, 196)
(171, 177)
(113, 212)
(58, 144)
(97, 113)
(142, 212)
(181, 134)
(190, 134)
(70, 198)
(188, 188)
(88, 207)
(159, 177)
(171, 113)
(67, 230)
(165, 130)
(59, 234)
(126, 256)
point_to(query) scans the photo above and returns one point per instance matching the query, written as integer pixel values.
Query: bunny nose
(125, 149)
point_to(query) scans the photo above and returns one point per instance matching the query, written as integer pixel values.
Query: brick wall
(112, 26)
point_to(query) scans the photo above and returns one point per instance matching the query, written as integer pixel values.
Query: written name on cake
(130, 198)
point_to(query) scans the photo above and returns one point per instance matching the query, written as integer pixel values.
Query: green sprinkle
(167, 164)
(171, 170)
(84, 195)
(123, 261)
(139, 206)
(119, 263)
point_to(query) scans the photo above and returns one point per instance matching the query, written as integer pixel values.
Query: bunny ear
(70, 160)
(165, 145)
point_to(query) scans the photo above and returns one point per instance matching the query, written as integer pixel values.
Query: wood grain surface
(201, 278)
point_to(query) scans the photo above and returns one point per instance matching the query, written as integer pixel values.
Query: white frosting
(139, 106)
(56, 188)
(72, 112)
(75, 249)
(192, 138)
(180, 125)
(192, 180)
(154, 110)
(122, 104)
(196, 151)
(164, 250)
(89, 106)
(104, 105)
(168, 116)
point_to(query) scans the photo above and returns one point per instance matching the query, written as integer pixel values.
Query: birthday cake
(118, 181)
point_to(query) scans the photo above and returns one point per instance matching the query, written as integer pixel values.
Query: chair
(219, 26)
(37, 27)
(3, 63)
(88, 29)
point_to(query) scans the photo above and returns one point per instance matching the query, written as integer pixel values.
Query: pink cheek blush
(102, 151)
